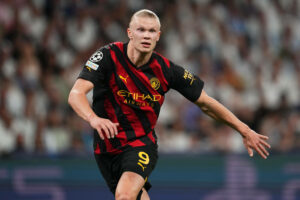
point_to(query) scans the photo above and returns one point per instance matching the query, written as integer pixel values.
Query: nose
(147, 35)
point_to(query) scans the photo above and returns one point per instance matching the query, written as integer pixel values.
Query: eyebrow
(141, 26)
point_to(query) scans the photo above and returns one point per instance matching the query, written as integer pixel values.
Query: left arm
(217, 111)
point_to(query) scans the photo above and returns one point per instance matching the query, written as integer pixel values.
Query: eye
(152, 30)
(141, 29)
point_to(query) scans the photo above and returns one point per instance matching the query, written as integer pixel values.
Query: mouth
(146, 44)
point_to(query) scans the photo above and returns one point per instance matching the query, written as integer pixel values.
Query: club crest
(155, 84)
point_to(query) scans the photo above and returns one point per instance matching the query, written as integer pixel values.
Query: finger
(116, 125)
(263, 149)
(260, 152)
(250, 151)
(265, 144)
(115, 128)
(100, 133)
(264, 137)
(106, 131)
(111, 129)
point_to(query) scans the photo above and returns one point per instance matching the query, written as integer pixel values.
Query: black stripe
(164, 68)
(150, 74)
(146, 140)
(154, 135)
(139, 113)
(136, 80)
(144, 121)
(115, 142)
(123, 121)
(101, 112)
(97, 140)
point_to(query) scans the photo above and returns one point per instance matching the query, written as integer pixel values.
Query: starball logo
(139, 99)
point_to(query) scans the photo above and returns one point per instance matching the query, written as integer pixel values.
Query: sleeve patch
(188, 75)
(92, 65)
(96, 57)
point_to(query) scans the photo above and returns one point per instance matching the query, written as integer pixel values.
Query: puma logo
(124, 79)
(89, 69)
(143, 168)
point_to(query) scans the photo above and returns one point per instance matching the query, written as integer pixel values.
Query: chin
(146, 50)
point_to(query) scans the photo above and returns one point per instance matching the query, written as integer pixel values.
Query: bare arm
(78, 101)
(217, 111)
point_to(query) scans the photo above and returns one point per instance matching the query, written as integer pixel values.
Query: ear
(159, 33)
(129, 33)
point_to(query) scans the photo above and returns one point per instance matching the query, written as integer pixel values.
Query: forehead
(145, 21)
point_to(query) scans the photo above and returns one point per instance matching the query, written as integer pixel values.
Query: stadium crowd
(246, 51)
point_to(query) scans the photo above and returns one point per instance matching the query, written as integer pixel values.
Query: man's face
(144, 32)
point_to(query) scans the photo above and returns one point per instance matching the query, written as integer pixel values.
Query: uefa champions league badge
(96, 57)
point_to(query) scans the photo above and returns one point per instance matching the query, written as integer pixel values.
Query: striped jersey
(132, 96)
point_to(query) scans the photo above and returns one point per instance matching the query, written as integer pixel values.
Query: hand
(253, 140)
(104, 127)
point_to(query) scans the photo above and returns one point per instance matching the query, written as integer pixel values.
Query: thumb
(117, 124)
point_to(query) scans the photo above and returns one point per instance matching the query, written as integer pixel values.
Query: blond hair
(145, 13)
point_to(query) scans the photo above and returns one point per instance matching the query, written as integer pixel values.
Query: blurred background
(246, 51)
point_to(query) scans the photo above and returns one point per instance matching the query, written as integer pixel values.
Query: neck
(136, 57)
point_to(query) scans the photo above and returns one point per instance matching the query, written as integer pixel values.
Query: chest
(132, 86)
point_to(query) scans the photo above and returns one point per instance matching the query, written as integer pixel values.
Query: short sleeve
(96, 67)
(189, 85)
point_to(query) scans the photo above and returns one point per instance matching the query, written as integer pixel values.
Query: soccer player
(129, 81)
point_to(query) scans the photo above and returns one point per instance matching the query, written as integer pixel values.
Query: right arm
(79, 103)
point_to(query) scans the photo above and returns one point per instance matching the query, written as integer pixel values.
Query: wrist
(244, 131)
(90, 117)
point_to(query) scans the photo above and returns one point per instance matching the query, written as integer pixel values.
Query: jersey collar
(146, 65)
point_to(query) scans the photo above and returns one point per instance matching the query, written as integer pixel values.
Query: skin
(144, 33)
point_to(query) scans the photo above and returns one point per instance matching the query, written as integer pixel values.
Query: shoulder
(113, 46)
(106, 48)
(104, 52)
(163, 61)
(117, 44)
(101, 57)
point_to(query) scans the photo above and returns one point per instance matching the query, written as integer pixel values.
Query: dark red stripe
(151, 116)
(151, 136)
(136, 143)
(138, 74)
(110, 148)
(149, 111)
(97, 150)
(146, 82)
(132, 118)
(120, 45)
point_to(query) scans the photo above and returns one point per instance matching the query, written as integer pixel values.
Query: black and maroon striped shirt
(132, 96)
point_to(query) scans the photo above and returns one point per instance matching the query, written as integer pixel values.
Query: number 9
(144, 158)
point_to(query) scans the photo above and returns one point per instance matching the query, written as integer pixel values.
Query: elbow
(203, 107)
(71, 98)
(202, 100)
